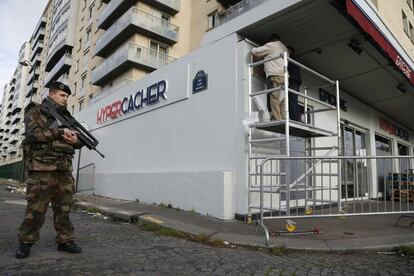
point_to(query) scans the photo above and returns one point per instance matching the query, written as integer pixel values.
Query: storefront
(179, 136)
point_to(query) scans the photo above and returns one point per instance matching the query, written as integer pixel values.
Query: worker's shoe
(70, 247)
(24, 250)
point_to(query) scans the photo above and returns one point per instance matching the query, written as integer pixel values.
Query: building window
(410, 3)
(83, 81)
(138, 53)
(73, 109)
(75, 87)
(88, 34)
(211, 20)
(80, 105)
(91, 10)
(411, 32)
(80, 43)
(405, 23)
(77, 66)
(159, 53)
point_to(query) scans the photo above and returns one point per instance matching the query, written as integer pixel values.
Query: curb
(114, 213)
(234, 239)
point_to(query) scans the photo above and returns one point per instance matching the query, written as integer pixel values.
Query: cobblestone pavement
(113, 248)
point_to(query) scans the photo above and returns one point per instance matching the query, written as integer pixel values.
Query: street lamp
(27, 63)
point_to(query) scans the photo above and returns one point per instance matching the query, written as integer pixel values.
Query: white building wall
(184, 151)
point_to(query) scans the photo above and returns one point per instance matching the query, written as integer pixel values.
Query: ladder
(270, 153)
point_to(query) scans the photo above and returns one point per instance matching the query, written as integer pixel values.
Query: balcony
(61, 67)
(238, 8)
(37, 49)
(11, 95)
(12, 150)
(53, 57)
(32, 89)
(40, 35)
(135, 20)
(16, 118)
(16, 109)
(168, 6)
(36, 60)
(128, 56)
(34, 74)
(13, 139)
(41, 24)
(113, 11)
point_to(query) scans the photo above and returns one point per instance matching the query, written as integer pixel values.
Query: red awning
(369, 27)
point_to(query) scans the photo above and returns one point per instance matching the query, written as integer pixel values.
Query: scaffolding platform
(295, 129)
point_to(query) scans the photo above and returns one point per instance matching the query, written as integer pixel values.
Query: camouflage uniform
(49, 168)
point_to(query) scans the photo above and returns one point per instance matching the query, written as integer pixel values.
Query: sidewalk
(338, 234)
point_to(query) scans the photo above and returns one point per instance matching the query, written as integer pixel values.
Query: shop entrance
(354, 172)
(383, 147)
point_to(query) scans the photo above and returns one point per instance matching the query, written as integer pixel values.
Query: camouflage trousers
(43, 188)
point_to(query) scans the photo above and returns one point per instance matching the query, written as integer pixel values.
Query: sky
(18, 18)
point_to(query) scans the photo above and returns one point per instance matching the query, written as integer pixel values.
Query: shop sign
(327, 97)
(151, 95)
(393, 129)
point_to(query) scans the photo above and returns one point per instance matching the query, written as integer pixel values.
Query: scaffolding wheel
(308, 211)
(290, 225)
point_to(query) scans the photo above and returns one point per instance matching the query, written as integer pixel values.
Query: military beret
(60, 86)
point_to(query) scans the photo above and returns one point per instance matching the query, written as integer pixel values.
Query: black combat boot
(70, 247)
(23, 251)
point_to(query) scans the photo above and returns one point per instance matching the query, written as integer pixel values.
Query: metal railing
(236, 10)
(131, 52)
(284, 127)
(141, 19)
(336, 186)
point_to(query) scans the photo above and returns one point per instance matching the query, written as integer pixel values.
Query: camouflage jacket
(44, 147)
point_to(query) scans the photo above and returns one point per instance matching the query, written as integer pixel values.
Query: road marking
(152, 219)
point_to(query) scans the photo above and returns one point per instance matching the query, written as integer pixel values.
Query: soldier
(48, 153)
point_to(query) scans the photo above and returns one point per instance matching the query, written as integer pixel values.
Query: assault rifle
(63, 119)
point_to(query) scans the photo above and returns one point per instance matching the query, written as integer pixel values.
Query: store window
(404, 163)
(383, 147)
(354, 182)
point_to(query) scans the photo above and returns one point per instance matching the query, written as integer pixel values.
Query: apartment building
(398, 16)
(12, 112)
(98, 47)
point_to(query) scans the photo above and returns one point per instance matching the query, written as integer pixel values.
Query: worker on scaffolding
(295, 80)
(274, 71)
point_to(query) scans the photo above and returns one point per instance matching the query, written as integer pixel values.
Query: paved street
(113, 248)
